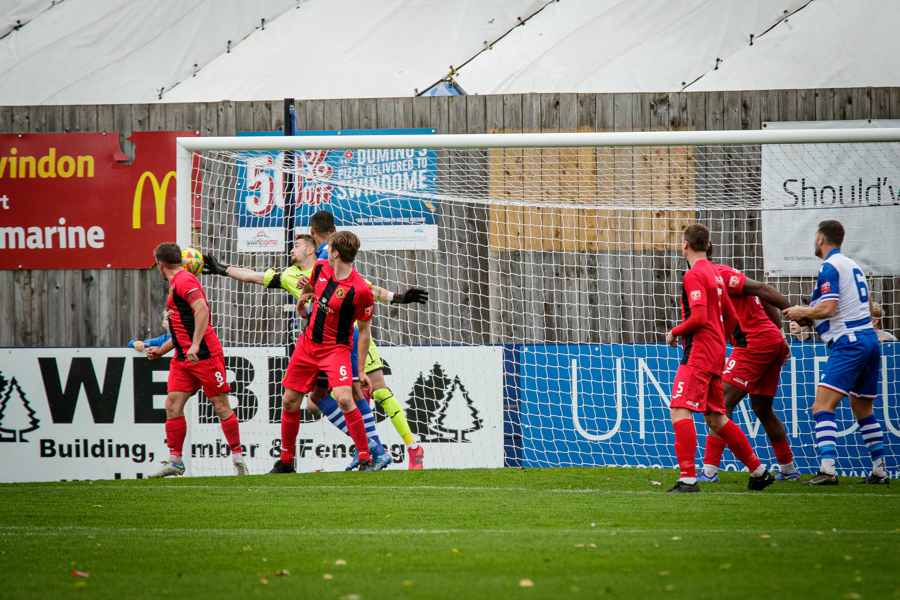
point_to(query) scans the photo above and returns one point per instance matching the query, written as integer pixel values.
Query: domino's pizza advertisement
(394, 218)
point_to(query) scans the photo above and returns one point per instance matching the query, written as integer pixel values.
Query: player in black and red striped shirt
(198, 361)
(342, 297)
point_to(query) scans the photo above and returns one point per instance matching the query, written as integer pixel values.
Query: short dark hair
(168, 253)
(697, 237)
(832, 231)
(322, 222)
(305, 237)
(346, 244)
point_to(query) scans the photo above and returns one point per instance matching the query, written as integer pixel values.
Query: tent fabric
(135, 51)
(355, 49)
(828, 44)
(17, 13)
(620, 45)
(122, 51)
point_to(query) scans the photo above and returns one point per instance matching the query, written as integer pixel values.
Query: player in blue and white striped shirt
(839, 308)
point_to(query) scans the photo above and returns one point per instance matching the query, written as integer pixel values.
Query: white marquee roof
(128, 51)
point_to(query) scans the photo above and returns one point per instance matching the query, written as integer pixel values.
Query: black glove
(410, 296)
(213, 267)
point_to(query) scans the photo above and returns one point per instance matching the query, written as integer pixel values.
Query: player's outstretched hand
(410, 296)
(153, 353)
(213, 267)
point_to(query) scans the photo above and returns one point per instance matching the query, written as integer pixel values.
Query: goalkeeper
(292, 280)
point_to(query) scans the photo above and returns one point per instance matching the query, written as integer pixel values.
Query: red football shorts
(209, 373)
(697, 390)
(755, 370)
(310, 357)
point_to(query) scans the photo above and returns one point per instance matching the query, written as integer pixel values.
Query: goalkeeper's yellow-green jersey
(287, 279)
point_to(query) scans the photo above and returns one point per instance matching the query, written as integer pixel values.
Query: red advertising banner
(67, 203)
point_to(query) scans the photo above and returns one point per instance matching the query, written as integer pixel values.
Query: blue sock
(369, 420)
(874, 440)
(329, 407)
(826, 438)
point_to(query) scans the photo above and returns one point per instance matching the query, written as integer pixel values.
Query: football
(192, 260)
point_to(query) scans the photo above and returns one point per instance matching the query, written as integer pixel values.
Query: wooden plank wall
(598, 275)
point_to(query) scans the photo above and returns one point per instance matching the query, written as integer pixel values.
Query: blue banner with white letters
(592, 405)
(395, 217)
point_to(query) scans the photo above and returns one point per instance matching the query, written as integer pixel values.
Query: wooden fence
(500, 276)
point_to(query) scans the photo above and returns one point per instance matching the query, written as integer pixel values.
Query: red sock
(714, 448)
(357, 430)
(739, 445)
(176, 429)
(783, 452)
(231, 429)
(686, 446)
(290, 425)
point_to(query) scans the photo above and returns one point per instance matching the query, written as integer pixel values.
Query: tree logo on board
(16, 415)
(441, 410)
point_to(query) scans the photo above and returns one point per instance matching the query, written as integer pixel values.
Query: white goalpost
(554, 269)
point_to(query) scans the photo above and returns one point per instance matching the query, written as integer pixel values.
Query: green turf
(575, 533)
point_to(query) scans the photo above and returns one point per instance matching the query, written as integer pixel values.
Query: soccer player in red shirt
(754, 368)
(198, 362)
(707, 313)
(341, 296)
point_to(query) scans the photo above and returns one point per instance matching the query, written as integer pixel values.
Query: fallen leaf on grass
(80, 574)
(526, 583)
(664, 573)
(319, 470)
(676, 538)
(656, 483)
(545, 516)
(725, 566)
(81, 584)
(327, 576)
(264, 581)
(407, 582)
(453, 550)
(98, 506)
(765, 537)
(592, 545)
(579, 545)
(340, 561)
(852, 596)
(670, 587)
(282, 573)
(248, 548)
(387, 516)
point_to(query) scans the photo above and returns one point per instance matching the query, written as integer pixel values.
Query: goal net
(554, 271)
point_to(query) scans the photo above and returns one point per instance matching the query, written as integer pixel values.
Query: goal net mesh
(554, 275)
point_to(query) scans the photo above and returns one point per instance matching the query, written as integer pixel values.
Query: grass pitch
(570, 533)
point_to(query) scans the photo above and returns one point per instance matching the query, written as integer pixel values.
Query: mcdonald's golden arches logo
(159, 195)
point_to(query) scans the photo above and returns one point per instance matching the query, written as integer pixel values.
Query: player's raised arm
(412, 295)
(766, 293)
(211, 266)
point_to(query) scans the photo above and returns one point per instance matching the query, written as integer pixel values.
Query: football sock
(369, 421)
(290, 426)
(874, 440)
(231, 429)
(686, 448)
(739, 445)
(176, 429)
(329, 407)
(358, 433)
(784, 455)
(713, 455)
(826, 440)
(394, 411)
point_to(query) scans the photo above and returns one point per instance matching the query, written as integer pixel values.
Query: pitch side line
(467, 488)
(6, 531)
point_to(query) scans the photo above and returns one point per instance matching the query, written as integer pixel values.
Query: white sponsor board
(97, 413)
(260, 239)
(856, 184)
(396, 237)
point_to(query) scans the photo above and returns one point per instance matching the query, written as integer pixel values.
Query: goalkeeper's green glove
(410, 296)
(213, 267)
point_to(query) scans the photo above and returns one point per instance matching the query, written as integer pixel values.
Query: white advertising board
(97, 413)
(856, 184)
